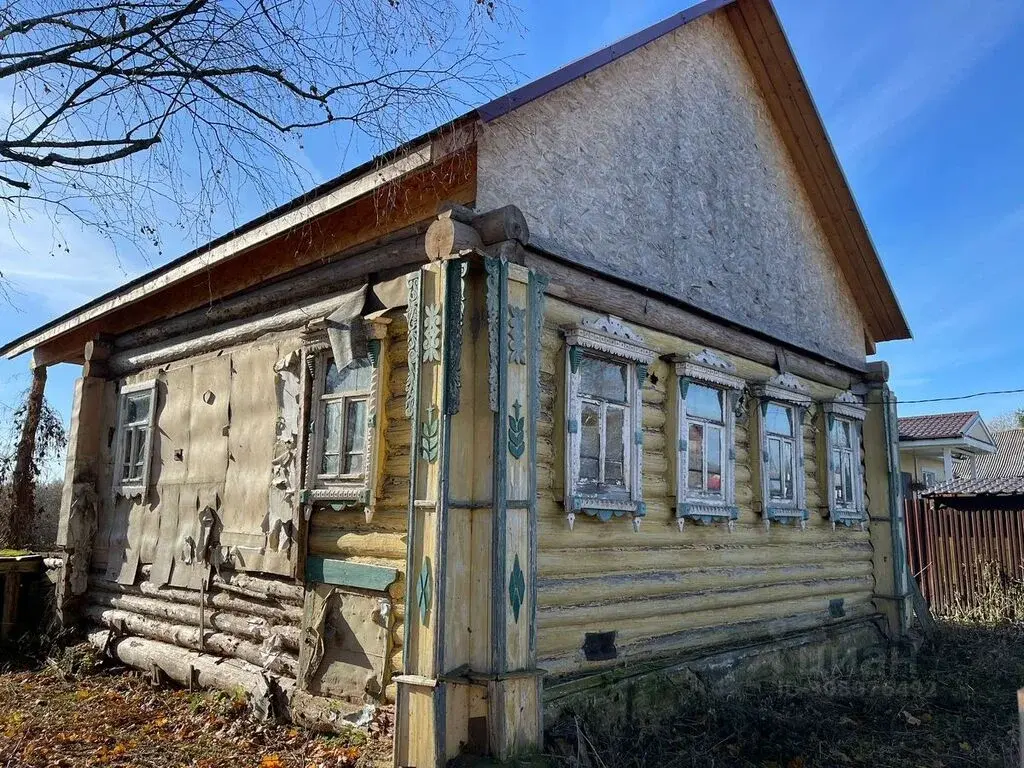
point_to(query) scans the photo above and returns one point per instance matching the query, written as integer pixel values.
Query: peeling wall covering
(664, 591)
(667, 164)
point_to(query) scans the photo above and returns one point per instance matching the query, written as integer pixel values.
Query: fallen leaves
(120, 721)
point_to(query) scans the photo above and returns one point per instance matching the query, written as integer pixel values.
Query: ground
(950, 704)
(90, 717)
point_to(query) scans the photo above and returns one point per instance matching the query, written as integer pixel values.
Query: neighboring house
(610, 410)
(930, 446)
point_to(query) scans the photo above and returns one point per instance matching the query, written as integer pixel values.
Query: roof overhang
(966, 444)
(769, 55)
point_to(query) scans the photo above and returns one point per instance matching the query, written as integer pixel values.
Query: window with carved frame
(783, 404)
(844, 418)
(709, 397)
(136, 416)
(345, 438)
(606, 366)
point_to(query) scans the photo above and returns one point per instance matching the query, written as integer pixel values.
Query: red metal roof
(936, 426)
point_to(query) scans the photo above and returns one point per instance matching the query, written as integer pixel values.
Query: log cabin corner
(576, 381)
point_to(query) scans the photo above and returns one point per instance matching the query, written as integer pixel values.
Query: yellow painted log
(383, 546)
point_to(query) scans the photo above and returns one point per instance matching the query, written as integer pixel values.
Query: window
(842, 460)
(784, 401)
(708, 397)
(604, 426)
(343, 417)
(929, 479)
(606, 366)
(136, 413)
(781, 452)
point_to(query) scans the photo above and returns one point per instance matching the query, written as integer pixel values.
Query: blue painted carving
(641, 509)
(516, 588)
(516, 431)
(425, 590)
(431, 333)
(638, 437)
(707, 513)
(684, 386)
(493, 268)
(373, 351)
(430, 436)
(641, 374)
(573, 426)
(517, 335)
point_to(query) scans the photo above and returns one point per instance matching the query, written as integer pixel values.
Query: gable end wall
(665, 166)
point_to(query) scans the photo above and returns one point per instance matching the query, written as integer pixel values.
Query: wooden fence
(949, 549)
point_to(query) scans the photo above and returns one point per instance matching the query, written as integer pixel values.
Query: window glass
(714, 454)
(847, 478)
(355, 437)
(603, 379)
(779, 420)
(841, 433)
(332, 438)
(353, 377)
(590, 442)
(615, 449)
(775, 469)
(695, 463)
(137, 408)
(704, 403)
(787, 469)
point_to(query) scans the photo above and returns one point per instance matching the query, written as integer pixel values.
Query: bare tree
(1005, 421)
(129, 116)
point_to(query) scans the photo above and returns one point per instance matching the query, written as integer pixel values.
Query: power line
(965, 397)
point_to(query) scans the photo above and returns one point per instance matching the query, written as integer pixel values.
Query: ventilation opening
(599, 646)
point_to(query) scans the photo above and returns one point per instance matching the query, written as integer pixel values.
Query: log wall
(381, 541)
(664, 591)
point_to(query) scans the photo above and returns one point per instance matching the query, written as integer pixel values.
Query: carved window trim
(345, 490)
(134, 486)
(787, 391)
(848, 408)
(710, 370)
(606, 338)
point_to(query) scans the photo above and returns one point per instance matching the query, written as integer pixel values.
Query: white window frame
(924, 478)
(341, 479)
(789, 392)
(133, 487)
(710, 370)
(849, 408)
(606, 338)
(344, 490)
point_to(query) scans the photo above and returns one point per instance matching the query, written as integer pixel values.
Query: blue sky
(924, 105)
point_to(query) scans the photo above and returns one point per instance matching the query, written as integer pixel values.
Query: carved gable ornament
(846, 404)
(785, 388)
(611, 336)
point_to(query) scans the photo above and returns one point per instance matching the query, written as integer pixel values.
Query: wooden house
(575, 381)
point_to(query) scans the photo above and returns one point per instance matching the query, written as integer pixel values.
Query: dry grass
(953, 704)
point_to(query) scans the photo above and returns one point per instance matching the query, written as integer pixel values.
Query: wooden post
(77, 524)
(885, 507)
(23, 478)
(469, 679)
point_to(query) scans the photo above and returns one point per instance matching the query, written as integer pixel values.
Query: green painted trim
(323, 570)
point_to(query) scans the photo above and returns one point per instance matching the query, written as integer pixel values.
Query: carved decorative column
(80, 497)
(469, 680)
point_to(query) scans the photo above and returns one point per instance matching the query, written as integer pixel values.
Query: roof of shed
(982, 486)
(1008, 460)
(936, 426)
(768, 52)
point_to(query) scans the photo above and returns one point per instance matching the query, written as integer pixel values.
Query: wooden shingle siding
(662, 590)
